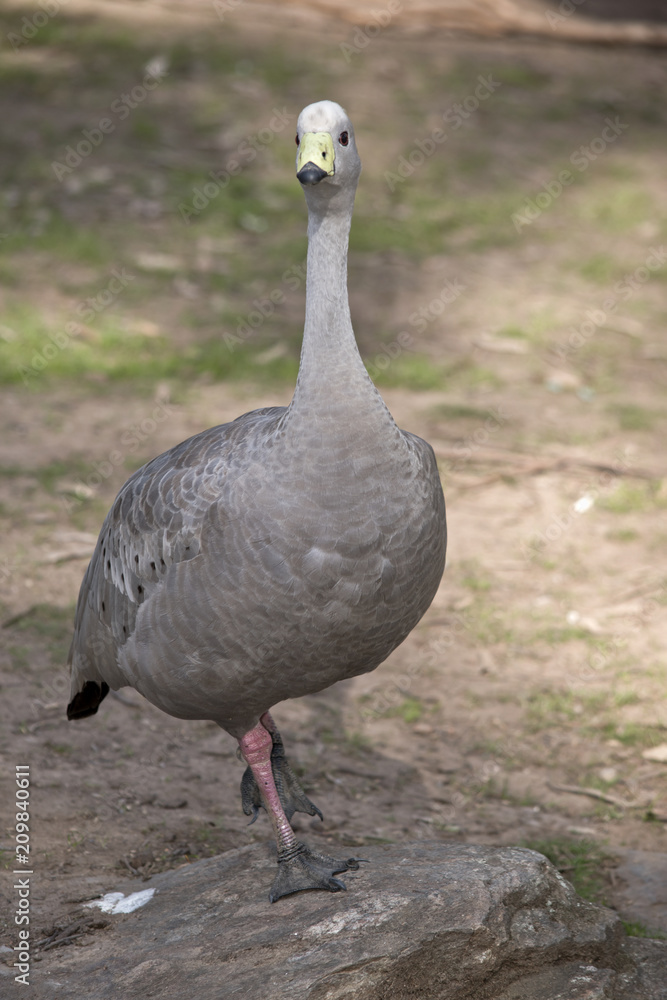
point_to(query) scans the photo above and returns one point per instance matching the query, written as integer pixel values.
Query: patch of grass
(582, 862)
(623, 535)
(632, 417)
(621, 698)
(414, 371)
(485, 622)
(51, 234)
(51, 625)
(410, 710)
(616, 207)
(600, 269)
(19, 657)
(49, 475)
(513, 333)
(492, 788)
(460, 411)
(47, 621)
(633, 734)
(474, 577)
(115, 354)
(553, 708)
(629, 498)
(635, 928)
(555, 634)
(356, 742)
(522, 77)
(595, 781)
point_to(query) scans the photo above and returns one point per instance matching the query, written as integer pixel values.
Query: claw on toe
(304, 868)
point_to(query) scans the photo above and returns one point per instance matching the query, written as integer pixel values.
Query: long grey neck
(332, 377)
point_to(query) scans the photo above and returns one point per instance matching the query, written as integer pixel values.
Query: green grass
(601, 269)
(623, 535)
(633, 734)
(220, 86)
(34, 356)
(582, 862)
(485, 622)
(475, 577)
(629, 497)
(635, 928)
(50, 625)
(555, 634)
(632, 417)
(410, 710)
(545, 709)
(461, 411)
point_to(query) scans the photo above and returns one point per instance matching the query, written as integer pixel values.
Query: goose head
(327, 161)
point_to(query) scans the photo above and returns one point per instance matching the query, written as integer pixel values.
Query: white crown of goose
(324, 116)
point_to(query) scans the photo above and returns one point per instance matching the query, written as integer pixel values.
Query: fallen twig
(19, 616)
(593, 793)
(487, 18)
(63, 940)
(519, 463)
(66, 555)
(62, 935)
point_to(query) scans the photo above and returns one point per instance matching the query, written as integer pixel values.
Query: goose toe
(304, 868)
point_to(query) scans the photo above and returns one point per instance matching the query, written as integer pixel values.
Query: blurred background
(508, 267)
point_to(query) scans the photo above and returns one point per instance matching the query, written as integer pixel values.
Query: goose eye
(296, 139)
(343, 138)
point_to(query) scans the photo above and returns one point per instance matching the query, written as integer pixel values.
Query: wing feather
(156, 520)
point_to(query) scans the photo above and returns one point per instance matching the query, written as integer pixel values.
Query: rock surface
(427, 920)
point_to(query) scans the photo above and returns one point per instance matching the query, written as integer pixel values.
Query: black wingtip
(87, 701)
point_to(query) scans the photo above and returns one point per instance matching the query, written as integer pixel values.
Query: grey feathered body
(261, 560)
(275, 555)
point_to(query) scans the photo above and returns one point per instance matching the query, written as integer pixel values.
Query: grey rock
(426, 920)
(573, 981)
(646, 979)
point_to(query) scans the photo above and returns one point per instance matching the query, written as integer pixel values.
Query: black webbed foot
(303, 868)
(292, 795)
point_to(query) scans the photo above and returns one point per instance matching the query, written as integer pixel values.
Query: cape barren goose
(272, 556)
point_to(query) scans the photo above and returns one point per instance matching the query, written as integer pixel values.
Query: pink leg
(256, 748)
(299, 867)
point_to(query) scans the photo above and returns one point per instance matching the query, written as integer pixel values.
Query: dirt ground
(541, 663)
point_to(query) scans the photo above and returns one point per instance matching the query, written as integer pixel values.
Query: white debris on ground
(118, 902)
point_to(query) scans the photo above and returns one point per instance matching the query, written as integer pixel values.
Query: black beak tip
(311, 174)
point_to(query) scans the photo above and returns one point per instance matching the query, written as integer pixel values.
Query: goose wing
(157, 519)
